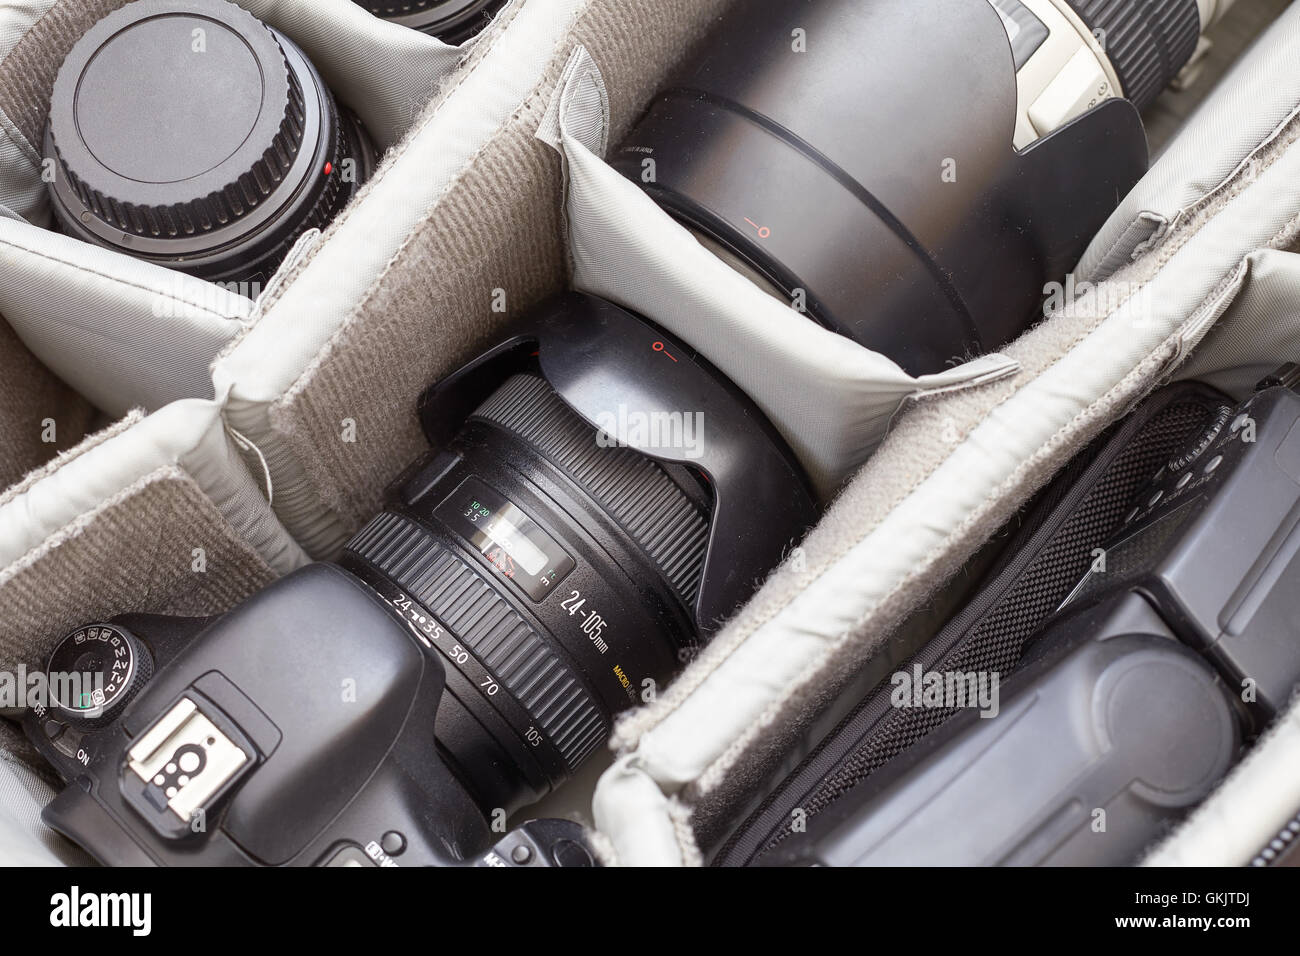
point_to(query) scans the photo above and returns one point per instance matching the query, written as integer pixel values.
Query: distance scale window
(513, 543)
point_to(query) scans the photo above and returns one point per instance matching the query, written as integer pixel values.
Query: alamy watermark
(947, 689)
(38, 691)
(651, 431)
(188, 299)
(1083, 299)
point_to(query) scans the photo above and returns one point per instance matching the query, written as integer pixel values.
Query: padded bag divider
(157, 514)
(831, 398)
(127, 333)
(462, 227)
(954, 470)
(35, 407)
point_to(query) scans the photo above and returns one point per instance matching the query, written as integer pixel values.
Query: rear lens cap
(189, 133)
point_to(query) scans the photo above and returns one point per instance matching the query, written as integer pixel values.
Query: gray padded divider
(831, 398)
(126, 333)
(1259, 331)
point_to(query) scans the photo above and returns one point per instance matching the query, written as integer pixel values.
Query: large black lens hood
(600, 358)
(876, 171)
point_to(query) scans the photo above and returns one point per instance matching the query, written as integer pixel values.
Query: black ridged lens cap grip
(189, 133)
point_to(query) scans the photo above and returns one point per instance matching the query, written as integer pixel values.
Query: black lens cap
(190, 133)
(453, 21)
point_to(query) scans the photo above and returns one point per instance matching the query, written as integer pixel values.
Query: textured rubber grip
(474, 611)
(1148, 41)
(655, 512)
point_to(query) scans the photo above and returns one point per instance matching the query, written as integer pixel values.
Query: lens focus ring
(1147, 41)
(651, 507)
(475, 612)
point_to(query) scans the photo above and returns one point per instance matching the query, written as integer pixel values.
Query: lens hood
(860, 158)
(598, 358)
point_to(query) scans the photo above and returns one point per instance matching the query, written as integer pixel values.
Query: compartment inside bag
(461, 231)
(332, 406)
(1043, 554)
(126, 333)
(831, 398)
(153, 512)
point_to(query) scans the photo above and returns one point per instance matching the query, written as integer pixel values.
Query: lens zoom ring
(1148, 41)
(474, 611)
(645, 501)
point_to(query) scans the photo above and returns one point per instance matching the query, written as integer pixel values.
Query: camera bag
(205, 442)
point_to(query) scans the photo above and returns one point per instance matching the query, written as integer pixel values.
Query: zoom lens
(190, 134)
(555, 574)
(563, 572)
(453, 21)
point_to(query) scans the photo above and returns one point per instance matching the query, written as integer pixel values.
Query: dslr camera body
(297, 730)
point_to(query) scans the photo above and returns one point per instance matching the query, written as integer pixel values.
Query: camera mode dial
(94, 672)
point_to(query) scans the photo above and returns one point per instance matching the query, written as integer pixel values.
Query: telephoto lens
(190, 134)
(453, 21)
(910, 173)
(583, 522)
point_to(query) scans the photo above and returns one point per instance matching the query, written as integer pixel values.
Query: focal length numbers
(434, 634)
(590, 623)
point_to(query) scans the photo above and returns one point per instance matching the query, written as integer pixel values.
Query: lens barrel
(190, 134)
(555, 573)
(453, 21)
(585, 522)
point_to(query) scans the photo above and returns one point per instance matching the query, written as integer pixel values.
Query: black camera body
(1182, 641)
(551, 562)
(297, 730)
